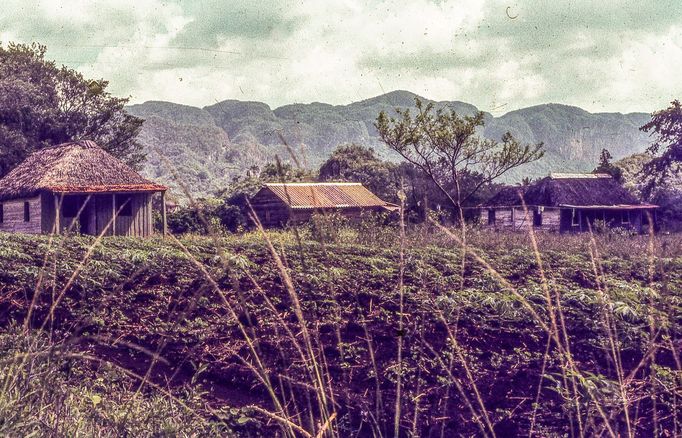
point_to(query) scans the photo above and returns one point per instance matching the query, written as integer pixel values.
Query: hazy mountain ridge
(209, 146)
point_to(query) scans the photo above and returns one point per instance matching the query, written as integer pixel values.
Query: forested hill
(208, 146)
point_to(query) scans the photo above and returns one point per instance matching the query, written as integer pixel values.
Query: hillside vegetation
(209, 146)
(306, 337)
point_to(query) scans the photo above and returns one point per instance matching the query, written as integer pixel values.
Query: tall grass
(358, 330)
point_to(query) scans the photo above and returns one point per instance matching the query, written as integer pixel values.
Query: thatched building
(79, 187)
(277, 204)
(567, 202)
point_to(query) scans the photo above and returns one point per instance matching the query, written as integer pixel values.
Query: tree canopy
(357, 163)
(445, 147)
(42, 105)
(607, 167)
(666, 128)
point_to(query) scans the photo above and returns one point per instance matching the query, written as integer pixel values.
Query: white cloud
(592, 54)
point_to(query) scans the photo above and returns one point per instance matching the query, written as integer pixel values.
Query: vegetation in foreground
(346, 335)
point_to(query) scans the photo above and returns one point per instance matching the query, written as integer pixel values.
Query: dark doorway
(491, 217)
(84, 218)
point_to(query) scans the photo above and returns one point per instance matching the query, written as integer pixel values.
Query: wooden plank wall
(271, 211)
(514, 219)
(99, 211)
(47, 202)
(13, 216)
(140, 222)
(353, 215)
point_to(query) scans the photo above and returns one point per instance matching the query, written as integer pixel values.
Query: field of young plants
(350, 332)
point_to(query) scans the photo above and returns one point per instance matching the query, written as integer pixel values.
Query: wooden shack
(76, 187)
(567, 203)
(278, 204)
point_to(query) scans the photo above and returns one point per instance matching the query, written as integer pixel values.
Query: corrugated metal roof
(325, 195)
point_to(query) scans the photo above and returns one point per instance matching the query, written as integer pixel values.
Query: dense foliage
(666, 128)
(354, 162)
(221, 314)
(666, 192)
(42, 105)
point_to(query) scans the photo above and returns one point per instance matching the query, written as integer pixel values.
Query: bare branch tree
(446, 147)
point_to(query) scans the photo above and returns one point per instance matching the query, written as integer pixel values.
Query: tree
(357, 163)
(666, 128)
(446, 148)
(42, 105)
(283, 172)
(605, 166)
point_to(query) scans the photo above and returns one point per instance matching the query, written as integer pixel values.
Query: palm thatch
(557, 190)
(76, 167)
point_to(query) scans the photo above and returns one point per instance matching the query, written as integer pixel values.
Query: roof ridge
(303, 184)
(85, 144)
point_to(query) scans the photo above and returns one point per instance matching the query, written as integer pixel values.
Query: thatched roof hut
(280, 203)
(567, 202)
(567, 189)
(53, 182)
(78, 167)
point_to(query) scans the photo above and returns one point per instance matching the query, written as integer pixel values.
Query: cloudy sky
(602, 55)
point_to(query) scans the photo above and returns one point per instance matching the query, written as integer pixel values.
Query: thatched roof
(569, 190)
(77, 167)
(324, 195)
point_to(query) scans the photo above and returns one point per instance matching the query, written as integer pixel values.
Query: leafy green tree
(666, 128)
(283, 172)
(605, 166)
(446, 147)
(42, 105)
(356, 163)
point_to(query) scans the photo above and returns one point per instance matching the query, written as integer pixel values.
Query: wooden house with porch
(278, 204)
(77, 187)
(566, 202)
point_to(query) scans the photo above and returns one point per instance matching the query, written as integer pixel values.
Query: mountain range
(203, 149)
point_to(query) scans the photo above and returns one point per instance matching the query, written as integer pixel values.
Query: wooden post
(113, 214)
(163, 213)
(57, 227)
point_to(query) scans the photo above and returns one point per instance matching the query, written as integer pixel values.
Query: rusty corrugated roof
(326, 195)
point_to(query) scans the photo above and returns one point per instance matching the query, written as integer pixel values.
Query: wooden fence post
(113, 214)
(163, 213)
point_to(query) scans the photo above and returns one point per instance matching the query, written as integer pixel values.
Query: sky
(604, 55)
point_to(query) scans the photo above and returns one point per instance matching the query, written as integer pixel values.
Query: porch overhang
(611, 207)
(107, 189)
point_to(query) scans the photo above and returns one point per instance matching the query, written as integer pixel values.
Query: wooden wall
(561, 219)
(140, 222)
(351, 214)
(612, 218)
(13, 216)
(96, 215)
(271, 211)
(514, 219)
